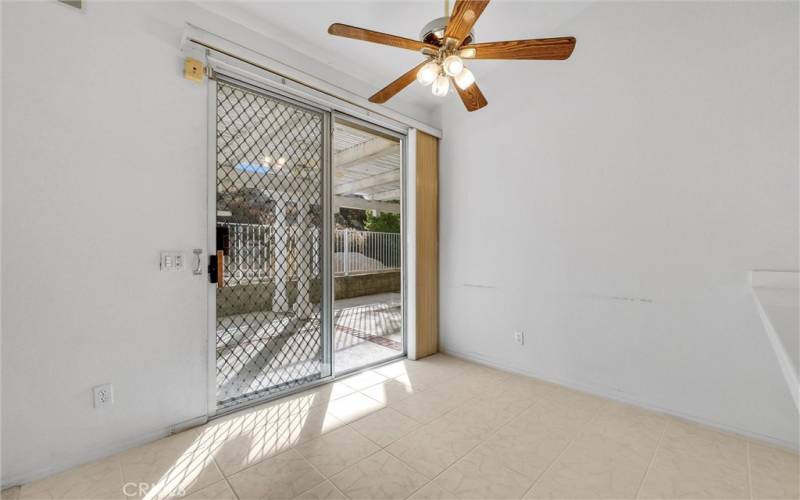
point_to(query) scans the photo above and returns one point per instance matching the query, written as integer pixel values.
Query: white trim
(604, 392)
(93, 454)
(406, 224)
(245, 81)
(99, 453)
(211, 244)
(237, 62)
(237, 58)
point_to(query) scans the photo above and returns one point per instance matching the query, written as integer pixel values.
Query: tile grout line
(399, 459)
(348, 467)
(459, 459)
(224, 477)
(295, 446)
(334, 487)
(749, 470)
(578, 434)
(121, 476)
(434, 478)
(337, 489)
(324, 477)
(553, 466)
(277, 402)
(384, 448)
(345, 424)
(652, 460)
(391, 442)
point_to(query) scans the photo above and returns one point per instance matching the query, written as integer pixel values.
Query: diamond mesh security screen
(269, 193)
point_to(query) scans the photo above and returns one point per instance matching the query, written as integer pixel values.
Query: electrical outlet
(519, 338)
(103, 395)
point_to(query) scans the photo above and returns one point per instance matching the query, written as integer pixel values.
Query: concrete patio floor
(259, 350)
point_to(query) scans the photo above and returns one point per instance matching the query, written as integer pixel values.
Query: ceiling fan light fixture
(428, 73)
(464, 79)
(441, 86)
(448, 41)
(453, 65)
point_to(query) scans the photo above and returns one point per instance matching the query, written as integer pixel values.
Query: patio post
(280, 259)
(303, 264)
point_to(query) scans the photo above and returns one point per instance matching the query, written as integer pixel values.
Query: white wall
(612, 205)
(104, 162)
(649, 166)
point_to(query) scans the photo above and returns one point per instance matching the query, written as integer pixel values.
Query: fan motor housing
(433, 32)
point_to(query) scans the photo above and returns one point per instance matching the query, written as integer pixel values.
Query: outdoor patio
(256, 349)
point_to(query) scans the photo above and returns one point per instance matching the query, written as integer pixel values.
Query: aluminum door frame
(326, 319)
(403, 140)
(331, 113)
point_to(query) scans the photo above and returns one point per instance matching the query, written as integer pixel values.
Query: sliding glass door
(309, 238)
(367, 244)
(272, 335)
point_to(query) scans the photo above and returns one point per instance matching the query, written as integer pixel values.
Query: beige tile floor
(437, 428)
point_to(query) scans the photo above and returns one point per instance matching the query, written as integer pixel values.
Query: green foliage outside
(384, 222)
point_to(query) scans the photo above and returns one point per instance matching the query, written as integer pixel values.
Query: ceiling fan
(446, 42)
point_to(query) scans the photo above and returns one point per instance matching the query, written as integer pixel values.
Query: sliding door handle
(220, 269)
(216, 269)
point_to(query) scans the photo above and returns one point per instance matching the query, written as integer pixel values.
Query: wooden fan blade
(377, 37)
(396, 86)
(463, 18)
(472, 97)
(543, 48)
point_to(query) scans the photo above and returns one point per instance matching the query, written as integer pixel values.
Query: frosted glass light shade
(464, 79)
(453, 65)
(428, 73)
(441, 86)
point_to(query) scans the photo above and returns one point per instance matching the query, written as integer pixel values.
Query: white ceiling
(304, 25)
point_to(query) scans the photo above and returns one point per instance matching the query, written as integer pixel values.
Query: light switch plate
(172, 261)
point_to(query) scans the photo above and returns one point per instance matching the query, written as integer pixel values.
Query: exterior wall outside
(357, 285)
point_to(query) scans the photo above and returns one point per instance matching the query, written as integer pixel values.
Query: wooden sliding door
(427, 293)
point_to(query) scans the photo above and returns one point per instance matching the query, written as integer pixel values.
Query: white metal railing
(360, 252)
(249, 256)
(251, 252)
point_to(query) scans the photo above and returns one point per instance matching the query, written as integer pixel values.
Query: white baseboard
(605, 392)
(99, 453)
